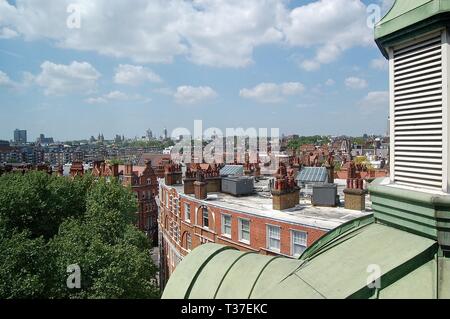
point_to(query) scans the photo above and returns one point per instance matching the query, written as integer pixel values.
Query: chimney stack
(129, 169)
(115, 169)
(354, 194)
(172, 174)
(188, 181)
(285, 193)
(213, 179)
(200, 186)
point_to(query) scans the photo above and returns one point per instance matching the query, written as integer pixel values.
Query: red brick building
(249, 223)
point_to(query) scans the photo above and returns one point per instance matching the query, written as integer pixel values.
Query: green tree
(26, 267)
(303, 140)
(48, 223)
(38, 202)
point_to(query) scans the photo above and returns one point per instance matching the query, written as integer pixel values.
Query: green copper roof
(337, 270)
(409, 16)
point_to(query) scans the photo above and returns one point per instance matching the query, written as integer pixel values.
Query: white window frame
(188, 242)
(170, 204)
(167, 199)
(240, 231)
(187, 212)
(224, 217)
(268, 238)
(203, 208)
(293, 231)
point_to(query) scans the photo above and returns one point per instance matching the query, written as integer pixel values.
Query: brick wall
(200, 235)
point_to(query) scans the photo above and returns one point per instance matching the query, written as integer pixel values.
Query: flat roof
(260, 205)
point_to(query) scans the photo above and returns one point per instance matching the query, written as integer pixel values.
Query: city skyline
(272, 68)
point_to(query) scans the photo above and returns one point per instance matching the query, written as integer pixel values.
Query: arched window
(188, 241)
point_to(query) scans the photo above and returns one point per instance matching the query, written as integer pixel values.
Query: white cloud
(5, 80)
(292, 88)
(194, 95)
(96, 100)
(61, 79)
(379, 64)
(376, 101)
(310, 65)
(135, 75)
(114, 96)
(7, 33)
(330, 82)
(355, 83)
(272, 92)
(207, 32)
(330, 26)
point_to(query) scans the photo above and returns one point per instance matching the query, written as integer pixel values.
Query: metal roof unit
(313, 175)
(232, 170)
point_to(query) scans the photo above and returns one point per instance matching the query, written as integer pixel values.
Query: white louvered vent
(418, 117)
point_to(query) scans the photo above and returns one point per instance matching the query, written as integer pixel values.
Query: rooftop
(408, 269)
(407, 17)
(260, 204)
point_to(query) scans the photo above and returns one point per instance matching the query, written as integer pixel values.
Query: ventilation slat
(426, 143)
(434, 103)
(428, 110)
(418, 182)
(433, 51)
(418, 100)
(436, 174)
(400, 163)
(422, 88)
(419, 138)
(420, 121)
(421, 148)
(419, 63)
(419, 79)
(424, 71)
(418, 114)
(418, 133)
(417, 48)
(418, 159)
(418, 127)
(427, 177)
(418, 154)
(402, 97)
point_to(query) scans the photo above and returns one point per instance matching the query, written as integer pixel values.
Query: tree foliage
(303, 140)
(48, 223)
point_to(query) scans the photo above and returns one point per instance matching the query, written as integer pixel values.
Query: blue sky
(306, 67)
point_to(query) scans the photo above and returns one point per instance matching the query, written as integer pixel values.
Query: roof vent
(417, 97)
